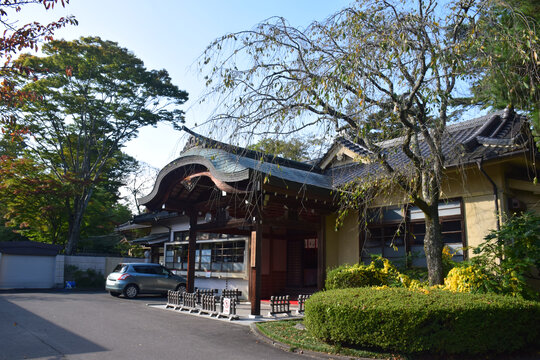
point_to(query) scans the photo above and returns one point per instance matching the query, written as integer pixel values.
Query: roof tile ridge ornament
(487, 130)
(506, 140)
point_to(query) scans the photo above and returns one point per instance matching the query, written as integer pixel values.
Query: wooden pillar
(192, 247)
(255, 268)
(321, 254)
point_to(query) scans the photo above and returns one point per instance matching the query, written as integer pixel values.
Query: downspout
(495, 191)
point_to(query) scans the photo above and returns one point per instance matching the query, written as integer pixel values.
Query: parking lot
(94, 325)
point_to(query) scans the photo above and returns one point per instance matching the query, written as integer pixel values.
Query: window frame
(208, 252)
(406, 225)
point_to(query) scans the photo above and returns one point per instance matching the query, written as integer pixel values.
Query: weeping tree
(90, 97)
(376, 70)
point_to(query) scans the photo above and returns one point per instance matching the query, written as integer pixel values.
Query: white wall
(27, 272)
(101, 264)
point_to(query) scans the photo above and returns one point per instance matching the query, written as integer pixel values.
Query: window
(452, 225)
(394, 232)
(176, 257)
(121, 268)
(228, 256)
(221, 255)
(385, 234)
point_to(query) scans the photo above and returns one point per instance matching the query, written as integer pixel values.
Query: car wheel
(131, 291)
(181, 288)
(114, 293)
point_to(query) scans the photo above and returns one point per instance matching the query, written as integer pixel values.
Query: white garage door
(24, 271)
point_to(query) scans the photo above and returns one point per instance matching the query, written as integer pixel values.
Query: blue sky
(171, 34)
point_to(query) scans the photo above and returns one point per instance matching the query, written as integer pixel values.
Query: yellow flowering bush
(464, 279)
(378, 273)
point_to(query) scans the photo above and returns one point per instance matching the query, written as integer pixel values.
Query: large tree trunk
(433, 246)
(79, 208)
(431, 190)
(74, 233)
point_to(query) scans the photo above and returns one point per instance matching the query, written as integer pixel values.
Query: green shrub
(89, 278)
(378, 273)
(434, 321)
(357, 275)
(510, 257)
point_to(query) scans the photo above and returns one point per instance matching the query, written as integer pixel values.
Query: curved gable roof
(230, 164)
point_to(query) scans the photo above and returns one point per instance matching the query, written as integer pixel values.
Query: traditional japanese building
(270, 222)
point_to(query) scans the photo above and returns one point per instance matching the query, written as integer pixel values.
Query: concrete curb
(309, 353)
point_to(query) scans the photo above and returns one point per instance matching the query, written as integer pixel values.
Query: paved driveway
(94, 325)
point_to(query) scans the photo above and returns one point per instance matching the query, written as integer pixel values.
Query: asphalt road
(94, 325)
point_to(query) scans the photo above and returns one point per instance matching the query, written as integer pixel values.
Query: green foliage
(84, 279)
(91, 96)
(9, 234)
(104, 244)
(432, 321)
(290, 332)
(33, 200)
(510, 256)
(510, 53)
(379, 272)
(293, 149)
(36, 204)
(357, 275)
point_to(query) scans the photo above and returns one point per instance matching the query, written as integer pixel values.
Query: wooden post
(192, 247)
(255, 268)
(321, 254)
(256, 252)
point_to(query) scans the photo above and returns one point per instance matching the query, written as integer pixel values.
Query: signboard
(253, 249)
(310, 243)
(226, 306)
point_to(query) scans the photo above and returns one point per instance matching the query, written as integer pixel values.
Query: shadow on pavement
(25, 335)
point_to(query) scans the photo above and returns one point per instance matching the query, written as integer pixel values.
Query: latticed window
(394, 232)
(221, 255)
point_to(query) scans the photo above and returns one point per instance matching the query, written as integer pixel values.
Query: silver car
(132, 279)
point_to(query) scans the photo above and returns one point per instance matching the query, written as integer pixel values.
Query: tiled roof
(485, 138)
(29, 248)
(151, 239)
(357, 148)
(229, 163)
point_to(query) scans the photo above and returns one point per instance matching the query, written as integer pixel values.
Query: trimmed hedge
(434, 321)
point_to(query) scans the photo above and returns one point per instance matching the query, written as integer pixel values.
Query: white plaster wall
(100, 264)
(96, 263)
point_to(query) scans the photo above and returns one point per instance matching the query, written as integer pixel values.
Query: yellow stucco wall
(479, 218)
(531, 200)
(342, 245)
(468, 184)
